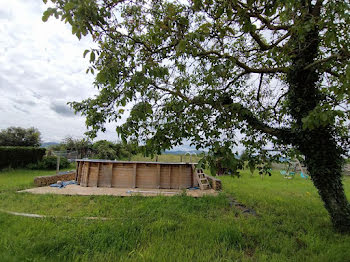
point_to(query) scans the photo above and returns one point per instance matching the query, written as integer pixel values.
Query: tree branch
(244, 66)
(317, 8)
(236, 78)
(244, 114)
(176, 93)
(278, 100)
(260, 84)
(332, 73)
(324, 60)
(264, 20)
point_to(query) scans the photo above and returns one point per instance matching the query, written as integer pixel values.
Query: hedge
(15, 156)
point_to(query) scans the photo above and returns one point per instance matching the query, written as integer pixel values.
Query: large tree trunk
(324, 162)
(323, 155)
(330, 188)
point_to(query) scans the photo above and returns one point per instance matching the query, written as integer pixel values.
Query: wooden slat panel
(158, 177)
(80, 171)
(179, 177)
(105, 176)
(146, 176)
(122, 176)
(82, 175)
(93, 177)
(165, 176)
(134, 175)
(173, 177)
(85, 176)
(185, 177)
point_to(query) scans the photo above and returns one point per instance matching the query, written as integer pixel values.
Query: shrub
(11, 156)
(49, 162)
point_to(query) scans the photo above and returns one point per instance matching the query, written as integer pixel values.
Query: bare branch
(248, 69)
(278, 100)
(176, 93)
(327, 59)
(260, 84)
(236, 79)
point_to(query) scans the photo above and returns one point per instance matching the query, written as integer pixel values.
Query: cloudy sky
(41, 69)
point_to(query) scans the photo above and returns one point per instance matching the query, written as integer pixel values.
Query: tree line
(84, 147)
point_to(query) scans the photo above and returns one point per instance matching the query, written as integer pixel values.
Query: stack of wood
(48, 180)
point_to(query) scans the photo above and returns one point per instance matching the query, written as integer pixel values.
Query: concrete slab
(88, 191)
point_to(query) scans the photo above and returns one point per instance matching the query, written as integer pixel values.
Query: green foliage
(82, 146)
(18, 136)
(15, 157)
(222, 161)
(49, 163)
(261, 162)
(104, 149)
(251, 161)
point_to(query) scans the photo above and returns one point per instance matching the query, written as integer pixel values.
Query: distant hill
(47, 144)
(182, 152)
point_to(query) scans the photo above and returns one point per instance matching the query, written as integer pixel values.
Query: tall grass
(291, 224)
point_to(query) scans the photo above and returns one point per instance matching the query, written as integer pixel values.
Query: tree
(105, 150)
(277, 71)
(18, 136)
(82, 146)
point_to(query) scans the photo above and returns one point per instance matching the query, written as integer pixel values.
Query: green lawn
(291, 224)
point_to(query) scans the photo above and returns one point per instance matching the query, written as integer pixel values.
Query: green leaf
(86, 52)
(69, 6)
(92, 56)
(45, 16)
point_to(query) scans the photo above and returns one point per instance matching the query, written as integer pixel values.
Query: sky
(41, 69)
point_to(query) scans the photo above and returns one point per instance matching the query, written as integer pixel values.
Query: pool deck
(124, 192)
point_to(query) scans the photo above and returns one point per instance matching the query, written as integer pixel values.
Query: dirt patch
(87, 191)
(241, 207)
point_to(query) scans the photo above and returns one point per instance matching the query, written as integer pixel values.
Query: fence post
(58, 164)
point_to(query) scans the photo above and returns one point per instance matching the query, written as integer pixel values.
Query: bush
(13, 156)
(49, 162)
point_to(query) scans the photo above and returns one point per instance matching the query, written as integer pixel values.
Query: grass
(291, 224)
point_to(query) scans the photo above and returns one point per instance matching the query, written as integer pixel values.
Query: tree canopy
(18, 136)
(277, 71)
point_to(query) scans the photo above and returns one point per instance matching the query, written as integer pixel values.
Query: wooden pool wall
(129, 174)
